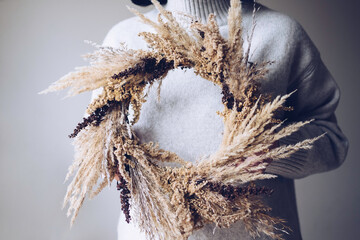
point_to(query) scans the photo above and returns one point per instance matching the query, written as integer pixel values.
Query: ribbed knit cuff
(293, 166)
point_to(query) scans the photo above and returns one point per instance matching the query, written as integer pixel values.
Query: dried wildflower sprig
(124, 198)
(231, 193)
(95, 118)
(170, 202)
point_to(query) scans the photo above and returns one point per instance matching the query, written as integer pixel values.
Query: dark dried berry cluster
(148, 65)
(252, 92)
(231, 192)
(161, 68)
(195, 216)
(228, 98)
(124, 197)
(201, 33)
(95, 118)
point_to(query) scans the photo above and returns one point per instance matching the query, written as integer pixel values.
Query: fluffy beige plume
(103, 64)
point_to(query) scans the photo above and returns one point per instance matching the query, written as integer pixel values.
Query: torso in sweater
(185, 121)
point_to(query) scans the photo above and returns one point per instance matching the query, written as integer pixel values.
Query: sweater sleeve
(316, 98)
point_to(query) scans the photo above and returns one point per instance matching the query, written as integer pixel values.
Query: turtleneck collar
(202, 8)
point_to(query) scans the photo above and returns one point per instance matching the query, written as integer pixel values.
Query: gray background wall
(41, 40)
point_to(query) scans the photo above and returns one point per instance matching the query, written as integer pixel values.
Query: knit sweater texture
(185, 121)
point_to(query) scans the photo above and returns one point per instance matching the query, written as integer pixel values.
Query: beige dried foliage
(171, 198)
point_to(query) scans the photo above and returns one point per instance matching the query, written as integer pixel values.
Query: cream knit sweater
(185, 119)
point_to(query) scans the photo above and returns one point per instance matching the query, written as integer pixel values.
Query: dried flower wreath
(170, 202)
